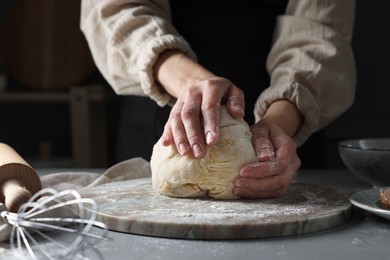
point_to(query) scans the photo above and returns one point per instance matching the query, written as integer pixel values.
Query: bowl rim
(348, 144)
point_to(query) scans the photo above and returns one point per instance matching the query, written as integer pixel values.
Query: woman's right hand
(194, 119)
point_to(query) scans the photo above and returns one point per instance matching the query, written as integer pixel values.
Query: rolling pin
(18, 180)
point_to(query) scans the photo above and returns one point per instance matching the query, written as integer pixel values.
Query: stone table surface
(134, 206)
(365, 236)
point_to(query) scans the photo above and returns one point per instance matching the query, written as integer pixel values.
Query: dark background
(30, 126)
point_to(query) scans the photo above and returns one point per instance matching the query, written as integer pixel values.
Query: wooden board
(133, 206)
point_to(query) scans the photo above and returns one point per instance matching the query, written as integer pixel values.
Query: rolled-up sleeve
(311, 62)
(126, 37)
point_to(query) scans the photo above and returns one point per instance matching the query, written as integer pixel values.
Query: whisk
(29, 212)
(54, 211)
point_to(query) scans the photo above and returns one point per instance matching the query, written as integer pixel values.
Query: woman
(310, 64)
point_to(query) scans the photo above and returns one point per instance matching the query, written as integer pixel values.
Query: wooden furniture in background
(44, 46)
(46, 52)
(88, 119)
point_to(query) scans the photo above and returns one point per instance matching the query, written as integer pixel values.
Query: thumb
(261, 142)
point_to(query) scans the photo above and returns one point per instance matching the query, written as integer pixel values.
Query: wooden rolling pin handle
(16, 176)
(15, 194)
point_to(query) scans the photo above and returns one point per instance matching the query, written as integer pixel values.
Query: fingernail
(246, 174)
(197, 150)
(165, 140)
(209, 137)
(265, 154)
(241, 184)
(237, 106)
(183, 148)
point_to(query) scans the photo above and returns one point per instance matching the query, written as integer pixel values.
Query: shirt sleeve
(126, 37)
(311, 62)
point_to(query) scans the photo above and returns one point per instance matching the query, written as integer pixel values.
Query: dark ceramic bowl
(368, 159)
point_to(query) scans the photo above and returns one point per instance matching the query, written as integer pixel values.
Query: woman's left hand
(277, 166)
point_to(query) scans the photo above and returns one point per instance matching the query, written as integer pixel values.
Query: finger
(167, 136)
(190, 115)
(261, 142)
(242, 193)
(260, 170)
(256, 188)
(253, 188)
(178, 131)
(235, 102)
(285, 147)
(211, 105)
(272, 182)
(210, 113)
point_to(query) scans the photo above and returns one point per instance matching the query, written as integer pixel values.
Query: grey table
(366, 236)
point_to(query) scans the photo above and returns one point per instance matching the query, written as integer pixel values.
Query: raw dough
(213, 175)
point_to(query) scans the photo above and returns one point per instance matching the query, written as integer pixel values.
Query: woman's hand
(277, 166)
(276, 151)
(194, 119)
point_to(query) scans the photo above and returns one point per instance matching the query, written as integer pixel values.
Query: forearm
(311, 63)
(126, 37)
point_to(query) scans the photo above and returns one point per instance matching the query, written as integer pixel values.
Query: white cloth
(126, 170)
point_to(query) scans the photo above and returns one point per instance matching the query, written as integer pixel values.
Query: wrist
(174, 70)
(286, 115)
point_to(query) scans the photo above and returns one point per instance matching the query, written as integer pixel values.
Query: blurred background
(56, 109)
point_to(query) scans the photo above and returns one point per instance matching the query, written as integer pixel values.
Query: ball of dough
(213, 175)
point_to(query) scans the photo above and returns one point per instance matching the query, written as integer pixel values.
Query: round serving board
(133, 206)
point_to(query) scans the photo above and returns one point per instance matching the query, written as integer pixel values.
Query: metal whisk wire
(34, 217)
